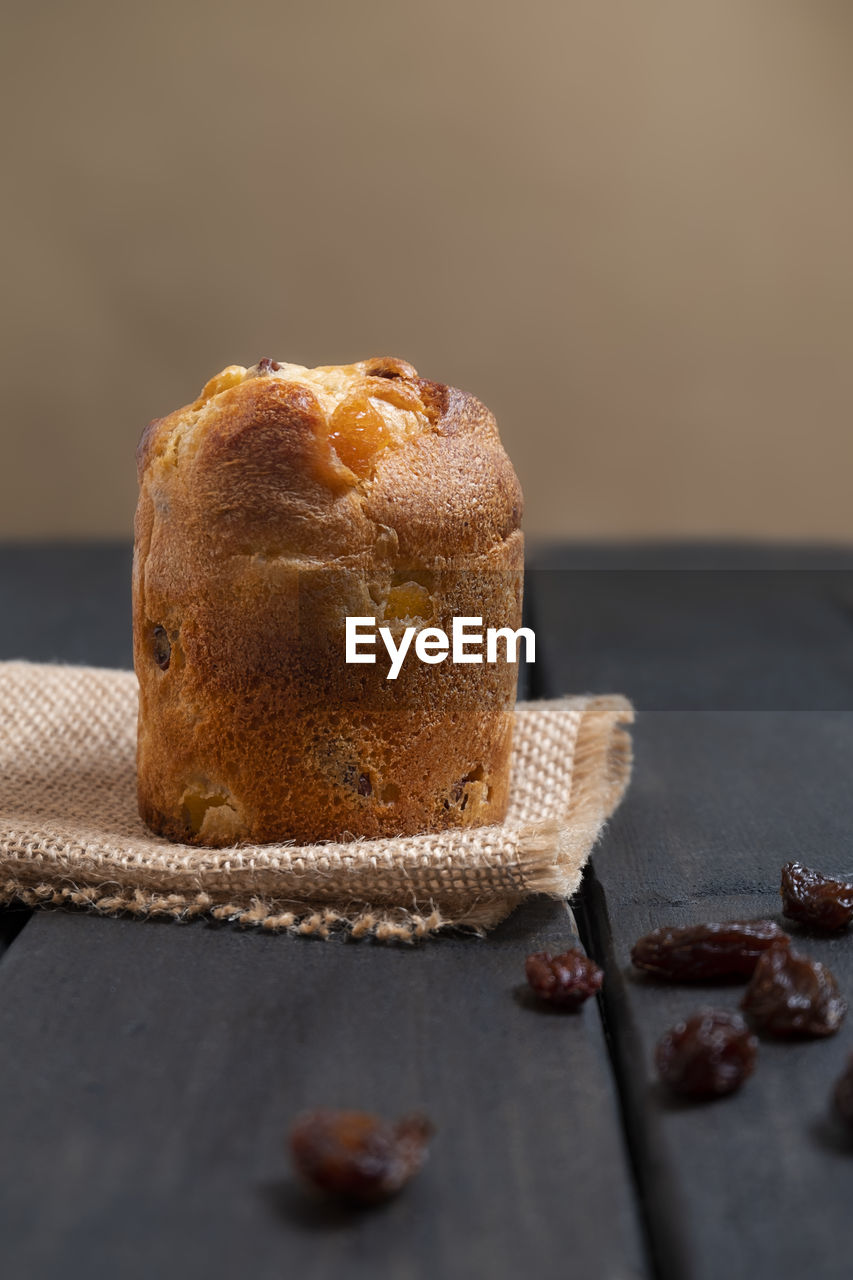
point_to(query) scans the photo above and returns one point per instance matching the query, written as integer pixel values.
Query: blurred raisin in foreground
(358, 1156)
(565, 980)
(814, 899)
(792, 995)
(705, 951)
(709, 1055)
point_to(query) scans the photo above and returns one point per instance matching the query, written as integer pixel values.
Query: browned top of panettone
(318, 463)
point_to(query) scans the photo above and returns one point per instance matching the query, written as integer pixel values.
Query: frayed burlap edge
(403, 926)
(550, 860)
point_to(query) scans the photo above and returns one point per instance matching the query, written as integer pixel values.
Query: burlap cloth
(70, 832)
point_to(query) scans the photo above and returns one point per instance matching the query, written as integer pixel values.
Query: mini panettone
(281, 502)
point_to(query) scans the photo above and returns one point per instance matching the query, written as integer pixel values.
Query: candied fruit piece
(409, 600)
(401, 394)
(358, 1156)
(195, 805)
(358, 432)
(706, 951)
(229, 377)
(815, 900)
(708, 1055)
(791, 995)
(565, 980)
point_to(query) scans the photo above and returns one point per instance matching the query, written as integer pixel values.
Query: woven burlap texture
(70, 832)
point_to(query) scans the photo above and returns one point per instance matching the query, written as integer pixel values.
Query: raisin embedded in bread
(278, 503)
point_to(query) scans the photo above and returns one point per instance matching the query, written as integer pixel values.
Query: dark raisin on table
(565, 980)
(843, 1095)
(705, 951)
(792, 995)
(161, 648)
(358, 1156)
(816, 900)
(709, 1055)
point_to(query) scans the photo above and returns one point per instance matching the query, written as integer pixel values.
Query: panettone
(279, 503)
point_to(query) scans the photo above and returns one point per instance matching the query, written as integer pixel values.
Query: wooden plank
(66, 602)
(720, 802)
(757, 1184)
(773, 633)
(694, 555)
(156, 1070)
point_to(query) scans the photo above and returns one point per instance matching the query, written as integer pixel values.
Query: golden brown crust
(254, 541)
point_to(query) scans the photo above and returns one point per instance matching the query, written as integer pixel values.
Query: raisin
(565, 980)
(705, 951)
(814, 899)
(346, 770)
(792, 995)
(458, 792)
(268, 366)
(843, 1095)
(161, 648)
(356, 1155)
(709, 1055)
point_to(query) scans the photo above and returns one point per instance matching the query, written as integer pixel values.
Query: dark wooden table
(149, 1071)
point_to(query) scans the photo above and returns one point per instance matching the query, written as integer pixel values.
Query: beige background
(625, 225)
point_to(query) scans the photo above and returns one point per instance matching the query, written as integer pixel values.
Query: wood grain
(157, 1068)
(152, 1071)
(704, 628)
(758, 1184)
